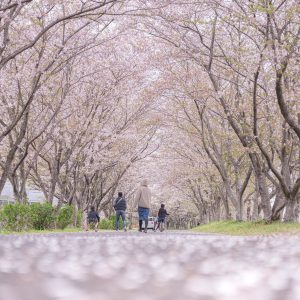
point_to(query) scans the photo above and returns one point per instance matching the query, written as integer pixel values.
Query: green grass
(42, 231)
(248, 228)
(69, 229)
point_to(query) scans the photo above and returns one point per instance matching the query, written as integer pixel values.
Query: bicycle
(161, 225)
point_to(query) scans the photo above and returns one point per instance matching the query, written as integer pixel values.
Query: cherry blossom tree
(96, 95)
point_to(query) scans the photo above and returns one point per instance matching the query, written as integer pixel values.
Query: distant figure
(142, 201)
(162, 213)
(93, 219)
(120, 206)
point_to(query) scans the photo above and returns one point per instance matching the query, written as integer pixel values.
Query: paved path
(138, 266)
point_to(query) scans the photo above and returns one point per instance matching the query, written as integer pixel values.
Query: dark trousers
(141, 224)
(122, 214)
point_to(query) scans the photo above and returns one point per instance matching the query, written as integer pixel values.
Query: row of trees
(89, 89)
(72, 100)
(231, 76)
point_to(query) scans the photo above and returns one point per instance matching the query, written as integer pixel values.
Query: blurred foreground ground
(138, 266)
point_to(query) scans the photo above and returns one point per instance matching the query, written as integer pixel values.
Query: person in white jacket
(143, 201)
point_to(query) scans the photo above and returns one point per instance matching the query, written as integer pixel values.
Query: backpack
(117, 202)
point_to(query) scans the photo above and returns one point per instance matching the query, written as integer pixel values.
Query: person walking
(143, 201)
(120, 206)
(93, 219)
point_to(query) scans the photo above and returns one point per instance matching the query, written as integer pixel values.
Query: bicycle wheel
(162, 227)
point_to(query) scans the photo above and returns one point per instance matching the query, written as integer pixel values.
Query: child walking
(162, 213)
(93, 219)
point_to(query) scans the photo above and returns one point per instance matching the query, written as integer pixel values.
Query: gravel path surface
(138, 266)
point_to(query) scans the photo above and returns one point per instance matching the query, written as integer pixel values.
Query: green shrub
(2, 218)
(105, 224)
(16, 217)
(38, 216)
(110, 223)
(42, 216)
(79, 218)
(65, 217)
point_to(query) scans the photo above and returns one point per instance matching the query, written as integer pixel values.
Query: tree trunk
(75, 211)
(240, 210)
(225, 204)
(262, 187)
(289, 215)
(254, 215)
(7, 169)
(18, 180)
(278, 206)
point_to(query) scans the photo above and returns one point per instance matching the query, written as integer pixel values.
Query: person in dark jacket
(162, 213)
(93, 218)
(120, 206)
